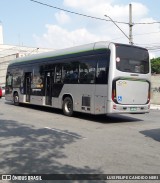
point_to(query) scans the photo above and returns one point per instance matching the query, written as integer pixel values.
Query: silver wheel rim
(16, 99)
(68, 106)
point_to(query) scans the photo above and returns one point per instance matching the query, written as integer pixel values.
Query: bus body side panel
(86, 98)
(82, 95)
(37, 100)
(109, 104)
(101, 99)
(101, 90)
(9, 97)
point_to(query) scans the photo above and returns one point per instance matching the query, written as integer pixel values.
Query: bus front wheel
(68, 106)
(16, 99)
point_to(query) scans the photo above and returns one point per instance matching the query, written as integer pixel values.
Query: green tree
(155, 65)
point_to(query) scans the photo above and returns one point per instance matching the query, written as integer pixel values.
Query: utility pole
(130, 25)
(130, 37)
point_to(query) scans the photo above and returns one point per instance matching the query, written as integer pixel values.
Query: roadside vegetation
(155, 65)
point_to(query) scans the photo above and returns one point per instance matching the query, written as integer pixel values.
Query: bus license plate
(133, 108)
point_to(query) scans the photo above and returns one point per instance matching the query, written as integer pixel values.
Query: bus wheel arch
(67, 105)
(16, 98)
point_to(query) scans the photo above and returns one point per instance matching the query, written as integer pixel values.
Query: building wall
(155, 89)
(10, 52)
(1, 34)
(4, 61)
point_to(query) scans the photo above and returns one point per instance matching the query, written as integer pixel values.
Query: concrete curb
(155, 107)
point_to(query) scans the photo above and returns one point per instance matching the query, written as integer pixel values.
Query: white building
(1, 34)
(10, 52)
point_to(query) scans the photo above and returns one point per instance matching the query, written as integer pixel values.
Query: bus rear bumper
(116, 108)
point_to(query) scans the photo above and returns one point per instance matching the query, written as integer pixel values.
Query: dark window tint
(70, 72)
(103, 68)
(132, 59)
(82, 70)
(87, 70)
(9, 79)
(58, 74)
(17, 75)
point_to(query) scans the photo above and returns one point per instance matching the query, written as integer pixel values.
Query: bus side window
(70, 73)
(58, 74)
(16, 81)
(87, 70)
(9, 79)
(102, 69)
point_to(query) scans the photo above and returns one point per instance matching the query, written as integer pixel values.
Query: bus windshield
(132, 59)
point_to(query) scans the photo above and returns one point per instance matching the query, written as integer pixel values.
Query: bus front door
(28, 86)
(48, 88)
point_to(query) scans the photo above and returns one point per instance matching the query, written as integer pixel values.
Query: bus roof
(64, 52)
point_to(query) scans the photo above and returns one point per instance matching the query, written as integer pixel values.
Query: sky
(26, 23)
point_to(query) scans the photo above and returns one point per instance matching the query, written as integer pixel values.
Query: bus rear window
(132, 59)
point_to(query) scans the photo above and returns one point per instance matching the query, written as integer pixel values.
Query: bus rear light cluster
(114, 106)
(149, 96)
(114, 95)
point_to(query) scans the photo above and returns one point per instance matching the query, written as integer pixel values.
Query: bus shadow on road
(28, 150)
(114, 118)
(37, 107)
(153, 133)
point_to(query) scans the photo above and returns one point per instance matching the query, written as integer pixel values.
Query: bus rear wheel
(68, 106)
(16, 99)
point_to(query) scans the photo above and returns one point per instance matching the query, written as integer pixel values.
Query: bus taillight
(149, 96)
(113, 94)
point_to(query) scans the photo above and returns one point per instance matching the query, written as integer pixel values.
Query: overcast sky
(30, 24)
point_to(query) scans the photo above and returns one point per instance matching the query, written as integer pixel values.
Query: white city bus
(98, 78)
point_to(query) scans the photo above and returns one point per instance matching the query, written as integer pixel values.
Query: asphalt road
(41, 140)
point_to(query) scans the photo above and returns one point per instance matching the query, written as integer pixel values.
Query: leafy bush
(155, 65)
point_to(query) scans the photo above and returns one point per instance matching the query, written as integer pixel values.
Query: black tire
(68, 106)
(16, 99)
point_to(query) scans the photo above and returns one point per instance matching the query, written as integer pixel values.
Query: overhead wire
(147, 33)
(146, 23)
(102, 19)
(93, 17)
(80, 14)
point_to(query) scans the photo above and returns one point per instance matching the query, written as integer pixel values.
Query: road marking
(60, 131)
